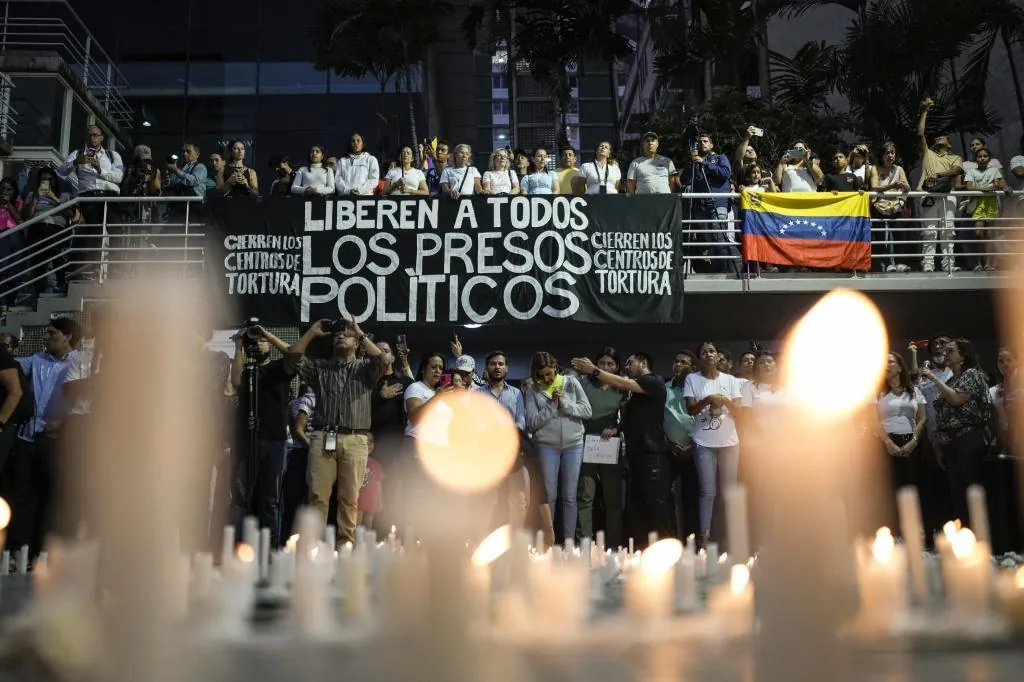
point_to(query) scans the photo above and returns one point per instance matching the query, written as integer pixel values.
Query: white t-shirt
(992, 163)
(454, 179)
(500, 182)
(763, 401)
(80, 367)
(898, 413)
(797, 179)
(436, 430)
(713, 429)
(651, 175)
(413, 178)
(607, 174)
(983, 179)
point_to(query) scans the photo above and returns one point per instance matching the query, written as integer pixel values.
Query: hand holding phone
(756, 132)
(446, 380)
(797, 154)
(919, 345)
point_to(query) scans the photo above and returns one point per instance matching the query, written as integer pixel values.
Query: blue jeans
(706, 460)
(567, 462)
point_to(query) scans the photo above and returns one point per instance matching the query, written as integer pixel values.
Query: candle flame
(292, 543)
(725, 557)
(839, 318)
(884, 545)
(661, 556)
(245, 553)
(1018, 578)
(739, 578)
(5, 513)
(456, 428)
(315, 552)
(963, 543)
(393, 530)
(492, 547)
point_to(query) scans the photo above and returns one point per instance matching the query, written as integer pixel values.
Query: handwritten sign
(596, 450)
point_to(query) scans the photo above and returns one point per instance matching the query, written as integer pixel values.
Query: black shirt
(388, 416)
(841, 182)
(272, 393)
(643, 422)
(7, 362)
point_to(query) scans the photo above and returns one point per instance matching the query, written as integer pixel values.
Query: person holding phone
(237, 179)
(49, 257)
(343, 387)
(798, 170)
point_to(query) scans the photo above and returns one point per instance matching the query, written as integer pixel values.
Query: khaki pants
(346, 466)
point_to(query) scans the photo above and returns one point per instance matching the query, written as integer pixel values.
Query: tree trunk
(412, 116)
(430, 93)
(1016, 77)
(382, 118)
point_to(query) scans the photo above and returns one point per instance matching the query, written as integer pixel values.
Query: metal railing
(116, 245)
(53, 26)
(8, 116)
(112, 242)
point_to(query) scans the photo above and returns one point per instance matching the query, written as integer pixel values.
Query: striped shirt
(343, 390)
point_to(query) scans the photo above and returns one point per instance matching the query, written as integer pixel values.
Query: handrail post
(104, 246)
(85, 61)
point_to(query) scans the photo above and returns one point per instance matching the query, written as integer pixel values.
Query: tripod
(253, 424)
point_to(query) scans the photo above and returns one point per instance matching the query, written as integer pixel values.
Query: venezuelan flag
(820, 230)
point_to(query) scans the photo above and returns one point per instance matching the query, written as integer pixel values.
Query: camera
(333, 326)
(250, 335)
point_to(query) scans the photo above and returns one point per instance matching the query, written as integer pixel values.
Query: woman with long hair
(1003, 395)
(500, 179)
(237, 179)
(901, 417)
(556, 408)
(602, 175)
(404, 179)
(713, 398)
(315, 178)
(539, 180)
(605, 405)
(891, 180)
(962, 411)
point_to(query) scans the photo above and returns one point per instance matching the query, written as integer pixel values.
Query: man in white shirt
(358, 173)
(94, 172)
(652, 173)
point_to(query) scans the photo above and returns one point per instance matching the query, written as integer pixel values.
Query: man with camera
(343, 385)
(261, 429)
(98, 173)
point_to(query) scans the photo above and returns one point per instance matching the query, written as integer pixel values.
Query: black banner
(602, 258)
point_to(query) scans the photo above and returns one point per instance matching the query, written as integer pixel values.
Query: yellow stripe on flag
(808, 204)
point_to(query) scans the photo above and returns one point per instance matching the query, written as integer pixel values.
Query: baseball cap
(941, 141)
(465, 363)
(143, 152)
(650, 135)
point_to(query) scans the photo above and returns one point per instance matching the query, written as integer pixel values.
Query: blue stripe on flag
(826, 228)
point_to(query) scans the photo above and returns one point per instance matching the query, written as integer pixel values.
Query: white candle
(278, 573)
(968, 575)
(881, 580)
(732, 605)
(310, 603)
(251, 531)
(686, 582)
(331, 535)
(600, 541)
(1011, 596)
(360, 536)
(652, 537)
(649, 590)
(392, 539)
(978, 510)
(538, 543)
(559, 594)
(711, 562)
(22, 562)
(737, 523)
(264, 540)
(492, 548)
(912, 529)
(357, 599)
(631, 546)
(237, 595)
(586, 550)
(691, 544)
(227, 547)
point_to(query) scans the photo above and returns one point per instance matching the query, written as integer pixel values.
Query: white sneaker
(890, 268)
(902, 267)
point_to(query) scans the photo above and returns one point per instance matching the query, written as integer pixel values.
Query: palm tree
(807, 78)
(384, 39)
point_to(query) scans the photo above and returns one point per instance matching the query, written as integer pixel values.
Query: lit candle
(978, 510)
(631, 546)
(711, 562)
(649, 590)
(330, 535)
(392, 539)
(357, 598)
(5, 520)
(732, 605)
(310, 603)
(559, 593)
(493, 547)
(251, 531)
(278, 573)
(652, 537)
(881, 577)
(737, 523)
(22, 561)
(599, 538)
(1011, 596)
(968, 575)
(912, 529)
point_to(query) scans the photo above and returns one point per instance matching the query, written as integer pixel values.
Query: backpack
(26, 408)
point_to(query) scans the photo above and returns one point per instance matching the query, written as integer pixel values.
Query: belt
(345, 431)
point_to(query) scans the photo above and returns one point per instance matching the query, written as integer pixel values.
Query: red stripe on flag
(808, 253)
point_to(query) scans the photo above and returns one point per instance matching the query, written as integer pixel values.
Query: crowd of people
(347, 442)
(910, 233)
